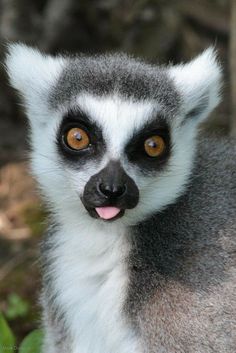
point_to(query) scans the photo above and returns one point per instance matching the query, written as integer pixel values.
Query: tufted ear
(32, 73)
(198, 83)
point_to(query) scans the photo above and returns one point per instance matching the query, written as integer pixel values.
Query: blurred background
(157, 30)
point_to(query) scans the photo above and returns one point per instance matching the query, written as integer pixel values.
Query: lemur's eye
(154, 146)
(77, 139)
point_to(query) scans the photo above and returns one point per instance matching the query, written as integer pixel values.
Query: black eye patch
(135, 149)
(96, 147)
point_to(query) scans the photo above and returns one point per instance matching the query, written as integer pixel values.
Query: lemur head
(112, 137)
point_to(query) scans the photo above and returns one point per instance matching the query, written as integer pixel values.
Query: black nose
(112, 190)
(111, 187)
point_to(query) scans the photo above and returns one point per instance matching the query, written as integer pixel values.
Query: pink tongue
(107, 212)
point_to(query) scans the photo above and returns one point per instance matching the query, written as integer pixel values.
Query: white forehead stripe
(118, 118)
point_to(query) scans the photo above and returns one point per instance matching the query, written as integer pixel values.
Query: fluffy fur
(135, 284)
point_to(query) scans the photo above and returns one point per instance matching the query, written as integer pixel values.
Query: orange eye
(77, 139)
(154, 146)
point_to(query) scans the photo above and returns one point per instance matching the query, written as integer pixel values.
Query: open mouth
(109, 212)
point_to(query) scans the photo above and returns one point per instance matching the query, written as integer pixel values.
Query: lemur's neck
(91, 284)
(93, 237)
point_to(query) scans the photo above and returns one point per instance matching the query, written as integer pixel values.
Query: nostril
(119, 190)
(104, 189)
(112, 190)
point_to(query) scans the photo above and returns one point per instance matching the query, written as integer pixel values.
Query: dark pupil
(152, 144)
(78, 136)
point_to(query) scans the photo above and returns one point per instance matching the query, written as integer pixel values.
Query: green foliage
(7, 339)
(17, 307)
(32, 343)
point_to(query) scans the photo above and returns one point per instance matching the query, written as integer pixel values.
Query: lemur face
(113, 138)
(114, 148)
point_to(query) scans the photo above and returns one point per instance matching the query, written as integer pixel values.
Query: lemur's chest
(91, 283)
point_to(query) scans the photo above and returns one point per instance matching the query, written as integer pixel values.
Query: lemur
(140, 255)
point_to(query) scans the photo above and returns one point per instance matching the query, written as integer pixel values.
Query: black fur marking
(120, 74)
(96, 147)
(135, 149)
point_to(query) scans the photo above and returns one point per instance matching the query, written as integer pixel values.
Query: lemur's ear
(32, 73)
(198, 83)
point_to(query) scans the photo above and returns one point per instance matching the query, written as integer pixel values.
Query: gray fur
(53, 315)
(183, 264)
(119, 73)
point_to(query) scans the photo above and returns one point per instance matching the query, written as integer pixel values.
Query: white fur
(120, 119)
(91, 280)
(89, 268)
(33, 74)
(197, 79)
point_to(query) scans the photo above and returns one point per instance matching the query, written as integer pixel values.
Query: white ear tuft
(31, 72)
(199, 84)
